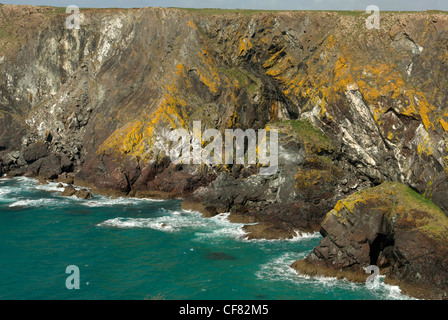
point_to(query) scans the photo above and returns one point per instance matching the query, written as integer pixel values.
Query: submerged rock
(219, 256)
(80, 193)
(390, 226)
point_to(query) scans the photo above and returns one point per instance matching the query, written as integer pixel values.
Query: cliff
(354, 107)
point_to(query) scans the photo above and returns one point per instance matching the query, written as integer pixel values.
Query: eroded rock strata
(392, 227)
(354, 107)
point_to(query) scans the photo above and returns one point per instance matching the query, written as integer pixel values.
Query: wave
(171, 221)
(210, 229)
(219, 227)
(38, 203)
(136, 223)
(100, 201)
(50, 187)
(278, 269)
(306, 235)
(4, 191)
(213, 229)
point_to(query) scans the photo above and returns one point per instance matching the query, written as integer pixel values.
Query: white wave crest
(219, 227)
(136, 223)
(99, 201)
(4, 191)
(278, 269)
(37, 203)
(50, 187)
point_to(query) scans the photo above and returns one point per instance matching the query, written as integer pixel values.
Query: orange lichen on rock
(444, 124)
(209, 76)
(245, 45)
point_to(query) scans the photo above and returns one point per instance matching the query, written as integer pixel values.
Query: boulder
(35, 151)
(79, 193)
(269, 231)
(209, 212)
(69, 191)
(49, 167)
(83, 194)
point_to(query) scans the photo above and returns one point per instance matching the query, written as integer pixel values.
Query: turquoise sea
(146, 249)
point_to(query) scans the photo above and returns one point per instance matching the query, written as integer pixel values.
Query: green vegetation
(419, 201)
(245, 79)
(213, 11)
(55, 10)
(407, 205)
(304, 131)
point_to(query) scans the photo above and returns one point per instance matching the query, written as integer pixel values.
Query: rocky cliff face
(354, 107)
(392, 227)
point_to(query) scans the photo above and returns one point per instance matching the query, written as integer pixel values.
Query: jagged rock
(83, 194)
(209, 212)
(69, 191)
(80, 193)
(390, 226)
(65, 178)
(268, 231)
(35, 151)
(49, 167)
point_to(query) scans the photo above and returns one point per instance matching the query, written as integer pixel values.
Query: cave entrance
(379, 244)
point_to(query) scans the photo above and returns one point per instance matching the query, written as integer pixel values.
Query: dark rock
(69, 191)
(209, 212)
(83, 194)
(65, 163)
(35, 151)
(16, 172)
(392, 227)
(80, 193)
(50, 167)
(269, 231)
(65, 178)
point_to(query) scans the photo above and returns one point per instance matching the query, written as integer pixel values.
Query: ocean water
(147, 249)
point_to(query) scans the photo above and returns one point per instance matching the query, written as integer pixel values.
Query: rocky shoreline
(354, 110)
(389, 226)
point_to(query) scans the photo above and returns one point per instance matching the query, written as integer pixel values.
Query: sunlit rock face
(353, 107)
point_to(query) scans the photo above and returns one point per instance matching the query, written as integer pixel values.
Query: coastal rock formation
(79, 193)
(107, 95)
(353, 107)
(392, 227)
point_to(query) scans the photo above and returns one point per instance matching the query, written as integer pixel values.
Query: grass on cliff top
(249, 12)
(213, 11)
(434, 222)
(305, 132)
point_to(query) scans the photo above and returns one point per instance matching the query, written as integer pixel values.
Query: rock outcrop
(354, 107)
(79, 193)
(392, 227)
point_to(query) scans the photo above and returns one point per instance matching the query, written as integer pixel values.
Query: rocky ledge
(389, 226)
